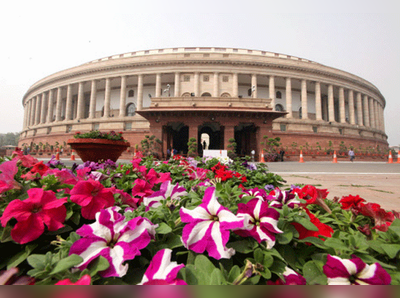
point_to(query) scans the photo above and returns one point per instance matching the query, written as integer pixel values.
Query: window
(206, 94)
(225, 95)
(186, 94)
(300, 113)
(249, 92)
(131, 93)
(206, 78)
(283, 127)
(128, 126)
(315, 129)
(279, 94)
(279, 107)
(340, 131)
(130, 109)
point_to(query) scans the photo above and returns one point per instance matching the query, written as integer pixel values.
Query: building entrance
(245, 137)
(215, 136)
(178, 137)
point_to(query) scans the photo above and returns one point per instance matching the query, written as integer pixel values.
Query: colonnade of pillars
(40, 108)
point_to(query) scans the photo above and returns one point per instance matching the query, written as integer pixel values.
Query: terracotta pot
(98, 149)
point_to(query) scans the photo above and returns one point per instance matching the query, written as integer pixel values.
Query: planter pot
(98, 149)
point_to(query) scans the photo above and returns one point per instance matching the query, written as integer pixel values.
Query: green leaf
(306, 223)
(188, 274)
(395, 227)
(391, 249)
(67, 263)
(243, 246)
(37, 261)
(234, 273)
(315, 241)
(217, 278)
(6, 233)
(313, 274)
(21, 256)
(202, 263)
(163, 228)
(98, 265)
(285, 237)
(336, 244)
(258, 255)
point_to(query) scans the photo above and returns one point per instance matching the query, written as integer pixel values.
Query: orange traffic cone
(301, 156)
(73, 154)
(390, 157)
(398, 156)
(262, 157)
(334, 157)
(58, 154)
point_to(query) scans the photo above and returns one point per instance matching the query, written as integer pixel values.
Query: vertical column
(371, 112)
(197, 84)
(26, 114)
(342, 107)
(107, 98)
(33, 110)
(366, 111)
(177, 86)
(235, 85)
(289, 98)
(271, 87)
(50, 106)
(254, 86)
(304, 106)
(383, 118)
(93, 95)
(359, 110)
(351, 108)
(331, 104)
(68, 108)
(229, 132)
(122, 97)
(58, 104)
(81, 103)
(140, 93)
(216, 84)
(158, 85)
(43, 108)
(318, 104)
(37, 113)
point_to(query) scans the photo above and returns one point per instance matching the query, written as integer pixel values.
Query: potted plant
(96, 145)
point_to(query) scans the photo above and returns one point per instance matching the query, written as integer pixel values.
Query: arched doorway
(245, 137)
(213, 130)
(178, 137)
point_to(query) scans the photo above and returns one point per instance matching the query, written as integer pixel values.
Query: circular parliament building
(210, 94)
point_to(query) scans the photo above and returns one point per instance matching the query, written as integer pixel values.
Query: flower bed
(185, 221)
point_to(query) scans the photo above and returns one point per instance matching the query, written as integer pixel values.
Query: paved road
(376, 182)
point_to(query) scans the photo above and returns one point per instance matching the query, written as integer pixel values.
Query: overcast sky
(39, 38)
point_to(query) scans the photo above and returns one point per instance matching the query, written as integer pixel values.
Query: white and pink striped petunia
(260, 221)
(113, 238)
(208, 228)
(162, 271)
(167, 191)
(354, 272)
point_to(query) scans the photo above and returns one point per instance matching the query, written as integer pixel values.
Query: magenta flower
(280, 198)
(354, 271)
(92, 196)
(39, 209)
(256, 192)
(162, 271)
(8, 170)
(260, 221)
(208, 228)
(83, 281)
(167, 191)
(292, 278)
(113, 238)
(141, 189)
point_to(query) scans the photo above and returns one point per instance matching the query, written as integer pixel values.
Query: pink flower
(8, 170)
(141, 189)
(126, 199)
(39, 209)
(27, 161)
(154, 178)
(83, 281)
(92, 196)
(162, 271)
(39, 168)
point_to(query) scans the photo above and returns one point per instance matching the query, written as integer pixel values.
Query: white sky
(39, 38)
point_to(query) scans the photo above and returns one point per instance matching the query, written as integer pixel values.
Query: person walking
(351, 154)
(282, 153)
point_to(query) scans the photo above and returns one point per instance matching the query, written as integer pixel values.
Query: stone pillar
(37, 112)
(331, 104)
(50, 106)
(33, 110)
(254, 86)
(68, 112)
(271, 87)
(93, 95)
(351, 108)
(366, 111)
(360, 117)
(177, 86)
(304, 104)
(342, 107)
(235, 85)
(44, 108)
(372, 112)
(158, 85)
(107, 98)
(81, 104)
(58, 104)
(383, 118)
(197, 84)
(289, 98)
(318, 104)
(140, 93)
(122, 97)
(26, 114)
(216, 85)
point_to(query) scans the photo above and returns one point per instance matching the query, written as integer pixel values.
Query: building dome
(180, 93)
